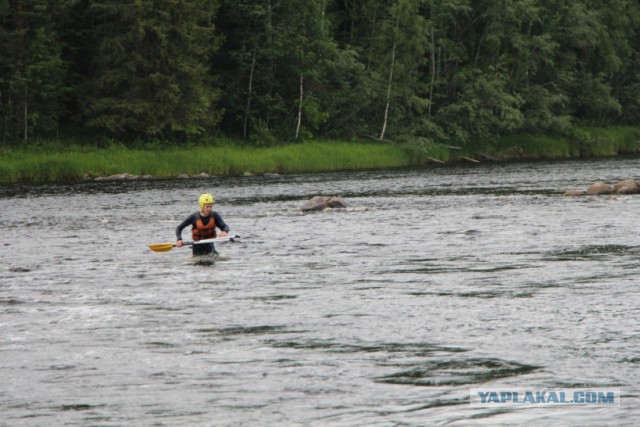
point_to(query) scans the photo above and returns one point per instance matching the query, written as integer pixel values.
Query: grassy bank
(28, 165)
(77, 162)
(587, 142)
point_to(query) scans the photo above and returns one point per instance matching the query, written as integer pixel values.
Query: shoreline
(74, 163)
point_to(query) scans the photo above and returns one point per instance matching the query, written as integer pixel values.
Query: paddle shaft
(215, 240)
(164, 247)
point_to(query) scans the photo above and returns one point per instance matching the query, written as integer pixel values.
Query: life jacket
(199, 231)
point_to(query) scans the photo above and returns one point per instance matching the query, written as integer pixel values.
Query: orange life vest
(199, 231)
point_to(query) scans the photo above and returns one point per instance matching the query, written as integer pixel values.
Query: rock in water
(319, 203)
(627, 186)
(598, 188)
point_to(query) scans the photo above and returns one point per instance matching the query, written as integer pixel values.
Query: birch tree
(405, 42)
(394, 44)
(282, 48)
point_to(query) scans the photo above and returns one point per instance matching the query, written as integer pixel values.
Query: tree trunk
(300, 106)
(246, 112)
(393, 63)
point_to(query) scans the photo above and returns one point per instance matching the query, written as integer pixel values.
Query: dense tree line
(282, 70)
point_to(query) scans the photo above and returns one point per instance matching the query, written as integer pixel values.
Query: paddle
(165, 247)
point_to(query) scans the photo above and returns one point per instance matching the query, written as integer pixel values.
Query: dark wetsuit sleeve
(220, 222)
(189, 221)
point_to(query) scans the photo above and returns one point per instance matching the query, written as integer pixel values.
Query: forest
(279, 71)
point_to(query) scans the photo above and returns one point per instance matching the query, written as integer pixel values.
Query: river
(430, 283)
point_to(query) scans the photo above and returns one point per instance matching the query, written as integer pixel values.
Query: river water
(432, 282)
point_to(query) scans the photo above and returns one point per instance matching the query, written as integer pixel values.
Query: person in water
(203, 226)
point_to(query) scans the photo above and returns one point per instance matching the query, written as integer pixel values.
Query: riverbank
(81, 163)
(73, 162)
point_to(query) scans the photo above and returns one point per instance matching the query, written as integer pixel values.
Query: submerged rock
(598, 188)
(575, 193)
(627, 186)
(319, 203)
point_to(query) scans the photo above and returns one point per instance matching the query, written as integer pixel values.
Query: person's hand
(223, 234)
(179, 243)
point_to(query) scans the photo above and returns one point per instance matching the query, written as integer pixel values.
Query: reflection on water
(430, 283)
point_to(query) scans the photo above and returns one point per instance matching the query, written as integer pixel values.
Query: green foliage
(284, 73)
(275, 71)
(424, 151)
(485, 109)
(150, 71)
(32, 71)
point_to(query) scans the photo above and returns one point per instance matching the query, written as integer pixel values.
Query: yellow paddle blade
(161, 247)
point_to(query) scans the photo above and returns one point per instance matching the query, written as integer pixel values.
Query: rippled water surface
(430, 283)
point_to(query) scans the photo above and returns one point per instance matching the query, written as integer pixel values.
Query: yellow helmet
(205, 199)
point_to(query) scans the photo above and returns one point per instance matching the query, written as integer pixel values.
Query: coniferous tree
(150, 72)
(294, 69)
(32, 72)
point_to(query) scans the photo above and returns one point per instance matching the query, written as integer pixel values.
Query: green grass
(611, 141)
(28, 165)
(586, 142)
(45, 161)
(536, 147)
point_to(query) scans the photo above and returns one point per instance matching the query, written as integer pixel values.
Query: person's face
(207, 208)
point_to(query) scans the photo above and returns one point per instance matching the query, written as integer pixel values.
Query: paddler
(203, 226)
